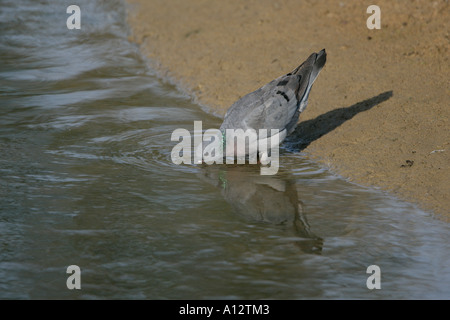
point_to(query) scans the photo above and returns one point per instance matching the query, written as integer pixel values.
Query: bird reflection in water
(264, 198)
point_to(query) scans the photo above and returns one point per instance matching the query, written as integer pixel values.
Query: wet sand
(377, 114)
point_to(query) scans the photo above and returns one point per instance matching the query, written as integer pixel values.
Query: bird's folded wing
(276, 105)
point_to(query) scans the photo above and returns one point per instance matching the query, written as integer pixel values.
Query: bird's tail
(308, 72)
(319, 62)
(313, 64)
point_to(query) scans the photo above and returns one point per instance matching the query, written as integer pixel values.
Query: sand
(378, 113)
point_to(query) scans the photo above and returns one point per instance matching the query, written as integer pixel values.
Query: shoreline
(377, 114)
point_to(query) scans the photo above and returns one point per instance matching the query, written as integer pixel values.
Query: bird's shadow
(311, 130)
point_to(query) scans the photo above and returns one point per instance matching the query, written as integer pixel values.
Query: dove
(275, 107)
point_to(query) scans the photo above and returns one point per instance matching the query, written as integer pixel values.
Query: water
(86, 179)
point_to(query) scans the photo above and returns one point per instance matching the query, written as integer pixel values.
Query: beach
(377, 114)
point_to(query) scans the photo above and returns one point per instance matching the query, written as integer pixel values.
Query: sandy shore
(378, 113)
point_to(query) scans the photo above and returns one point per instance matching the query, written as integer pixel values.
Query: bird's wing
(276, 106)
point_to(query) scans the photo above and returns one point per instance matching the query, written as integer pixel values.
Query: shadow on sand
(311, 130)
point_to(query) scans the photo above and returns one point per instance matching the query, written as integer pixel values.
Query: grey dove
(276, 105)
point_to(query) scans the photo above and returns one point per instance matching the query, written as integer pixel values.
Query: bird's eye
(206, 154)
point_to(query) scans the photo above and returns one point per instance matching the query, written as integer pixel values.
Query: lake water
(86, 179)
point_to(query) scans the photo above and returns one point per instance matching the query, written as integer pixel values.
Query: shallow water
(86, 179)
